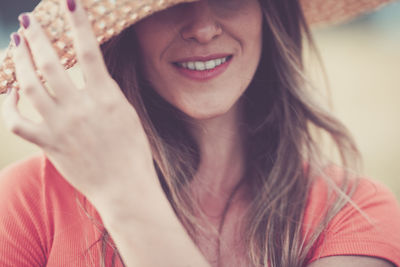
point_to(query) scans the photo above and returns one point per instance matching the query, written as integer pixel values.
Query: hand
(92, 135)
(95, 139)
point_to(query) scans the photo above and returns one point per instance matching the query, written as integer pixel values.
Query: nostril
(202, 33)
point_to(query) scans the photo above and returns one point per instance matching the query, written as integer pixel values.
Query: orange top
(373, 230)
(43, 221)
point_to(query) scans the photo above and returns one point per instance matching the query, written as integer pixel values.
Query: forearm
(145, 245)
(150, 234)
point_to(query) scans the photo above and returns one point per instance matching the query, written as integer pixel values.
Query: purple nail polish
(16, 38)
(71, 5)
(25, 21)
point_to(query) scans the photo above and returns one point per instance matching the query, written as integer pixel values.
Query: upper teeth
(202, 65)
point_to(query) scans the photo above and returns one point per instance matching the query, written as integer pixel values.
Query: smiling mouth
(203, 65)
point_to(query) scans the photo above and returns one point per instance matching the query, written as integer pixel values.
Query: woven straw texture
(328, 12)
(110, 17)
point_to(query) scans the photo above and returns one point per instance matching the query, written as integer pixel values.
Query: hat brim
(320, 13)
(110, 17)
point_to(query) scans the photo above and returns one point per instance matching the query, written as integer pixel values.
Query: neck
(222, 156)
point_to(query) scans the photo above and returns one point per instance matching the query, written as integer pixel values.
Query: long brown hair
(282, 154)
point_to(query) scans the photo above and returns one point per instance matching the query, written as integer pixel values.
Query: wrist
(148, 228)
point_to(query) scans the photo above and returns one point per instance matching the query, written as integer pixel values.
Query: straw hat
(110, 17)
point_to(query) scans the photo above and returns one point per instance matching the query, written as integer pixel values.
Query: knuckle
(89, 56)
(47, 67)
(109, 105)
(29, 89)
(14, 127)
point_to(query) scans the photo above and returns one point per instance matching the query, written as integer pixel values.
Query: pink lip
(202, 58)
(203, 75)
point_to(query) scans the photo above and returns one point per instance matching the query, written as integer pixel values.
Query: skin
(99, 120)
(205, 28)
(92, 135)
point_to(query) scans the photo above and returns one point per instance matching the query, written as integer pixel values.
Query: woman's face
(201, 56)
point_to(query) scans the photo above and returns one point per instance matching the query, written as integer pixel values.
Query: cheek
(250, 36)
(246, 28)
(243, 32)
(152, 42)
(153, 37)
(252, 28)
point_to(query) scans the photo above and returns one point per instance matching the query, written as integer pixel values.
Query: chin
(206, 113)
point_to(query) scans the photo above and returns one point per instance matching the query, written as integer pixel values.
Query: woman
(190, 145)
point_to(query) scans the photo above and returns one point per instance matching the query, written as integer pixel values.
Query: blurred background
(362, 60)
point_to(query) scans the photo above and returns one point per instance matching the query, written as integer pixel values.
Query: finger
(87, 48)
(46, 58)
(19, 125)
(28, 80)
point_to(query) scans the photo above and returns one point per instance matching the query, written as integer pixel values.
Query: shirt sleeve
(23, 231)
(371, 227)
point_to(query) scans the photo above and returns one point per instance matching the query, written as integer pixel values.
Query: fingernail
(9, 90)
(25, 21)
(71, 5)
(16, 39)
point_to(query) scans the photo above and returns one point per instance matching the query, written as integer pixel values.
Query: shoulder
(23, 217)
(21, 181)
(30, 176)
(33, 184)
(42, 217)
(369, 195)
(21, 171)
(31, 189)
(367, 225)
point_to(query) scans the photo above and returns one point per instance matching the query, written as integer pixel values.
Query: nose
(202, 25)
